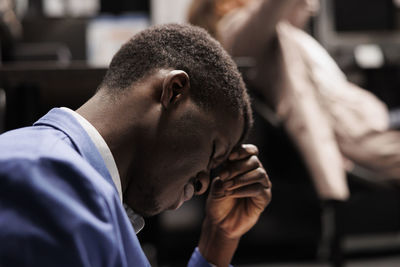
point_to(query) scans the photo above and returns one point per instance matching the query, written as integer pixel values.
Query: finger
(258, 175)
(217, 189)
(253, 190)
(239, 167)
(243, 151)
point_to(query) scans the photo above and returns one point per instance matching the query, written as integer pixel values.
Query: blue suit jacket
(58, 204)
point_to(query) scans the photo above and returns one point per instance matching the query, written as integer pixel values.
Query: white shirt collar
(105, 152)
(102, 147)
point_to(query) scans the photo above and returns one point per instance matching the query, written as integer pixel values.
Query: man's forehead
(232, 129)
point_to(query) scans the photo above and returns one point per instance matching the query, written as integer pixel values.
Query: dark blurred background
(55, 52)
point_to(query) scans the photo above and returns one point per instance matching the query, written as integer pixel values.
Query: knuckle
(261, 190)
(267, 194)
(255, 150)
(254, 161)
(250, 148)
(261, 173)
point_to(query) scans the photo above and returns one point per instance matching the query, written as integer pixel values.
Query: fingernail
(218, 183)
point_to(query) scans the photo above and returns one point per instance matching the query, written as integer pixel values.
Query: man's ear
(176, 84)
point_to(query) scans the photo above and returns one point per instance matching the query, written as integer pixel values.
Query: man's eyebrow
(214, 148)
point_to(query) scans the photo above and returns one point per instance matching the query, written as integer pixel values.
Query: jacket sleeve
(197, 260)
(51, 215)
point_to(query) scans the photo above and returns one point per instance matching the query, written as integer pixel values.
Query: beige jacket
(328, 118)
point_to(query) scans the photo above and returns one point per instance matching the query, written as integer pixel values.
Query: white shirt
(105, 152)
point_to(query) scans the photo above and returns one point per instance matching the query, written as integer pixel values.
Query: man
(171, 108)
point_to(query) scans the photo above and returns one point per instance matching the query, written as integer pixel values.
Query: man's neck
(114, 129)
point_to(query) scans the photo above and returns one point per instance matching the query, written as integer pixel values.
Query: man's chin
(151, 208)
(148, 211)
(154, 212)
(151, 213)
(176, 205)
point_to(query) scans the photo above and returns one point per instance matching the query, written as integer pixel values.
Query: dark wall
(120, 6)
(361, 15)
(70, 32)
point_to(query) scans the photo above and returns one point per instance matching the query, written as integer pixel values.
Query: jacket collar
(65, 122)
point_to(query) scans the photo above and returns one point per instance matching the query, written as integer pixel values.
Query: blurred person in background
(332, 121)
(10, 29)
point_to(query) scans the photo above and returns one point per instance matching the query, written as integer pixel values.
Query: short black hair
(216, 83)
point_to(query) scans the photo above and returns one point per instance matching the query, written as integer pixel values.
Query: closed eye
(212, 155)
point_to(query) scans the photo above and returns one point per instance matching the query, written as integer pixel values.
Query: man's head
(182, 106)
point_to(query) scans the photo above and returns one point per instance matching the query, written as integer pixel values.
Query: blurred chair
(33, 89)
(298, 225)
(49, 51)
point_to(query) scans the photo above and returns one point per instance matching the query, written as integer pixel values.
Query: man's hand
(239, 194)
(236, 200)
